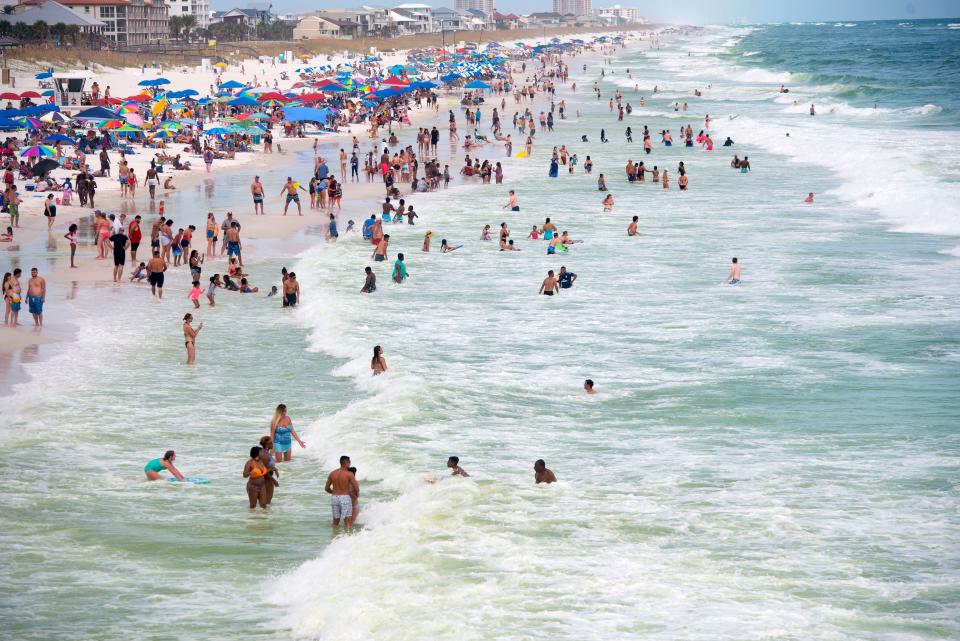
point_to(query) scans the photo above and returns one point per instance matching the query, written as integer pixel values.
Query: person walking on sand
(341, 484)
(282, 434)
(256, 190)
(290, 189)
(190, 338)
(36, 296)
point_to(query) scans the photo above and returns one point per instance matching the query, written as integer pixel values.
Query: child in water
(534, 233)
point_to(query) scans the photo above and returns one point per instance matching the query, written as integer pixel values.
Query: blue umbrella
(59, 138)
(188, 121)
(423, 84)
(216, 131)
(156, 82)
(243, 101)
(43, 75)
(96, 113)
(477, 84)
(232, 84)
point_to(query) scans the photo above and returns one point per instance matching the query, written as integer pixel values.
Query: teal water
(774, 460)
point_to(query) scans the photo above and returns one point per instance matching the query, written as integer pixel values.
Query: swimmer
(512, 202)
(370, 284)
(549, 285)
(454, 464)
(632, 227)
(588, 386)
(509, 247)
(342, 486)
(378, 364)
(734, 276)
(543, 474)
(809, 198)
(446, 249)
(534, 233)
(157, 465)
(608, 203)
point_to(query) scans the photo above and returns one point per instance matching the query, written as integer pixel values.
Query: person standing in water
(282, 434)
(190, 338)
(153, 468)
(342, 485)
(588, 386)
(378, 364)
(543, 474)
(399, 270)
(370, 283)
(549, 285)
(256, 472)
(734, 276)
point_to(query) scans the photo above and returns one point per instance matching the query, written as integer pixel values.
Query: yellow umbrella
(220, 64)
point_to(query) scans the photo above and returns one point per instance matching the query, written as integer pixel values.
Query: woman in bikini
(378, 364)
(256, 472)
(190, 338)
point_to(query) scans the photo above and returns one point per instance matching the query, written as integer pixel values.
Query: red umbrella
(140, 97)
(30, 94)
(9, 95)
(110, 101)
(311, 97)
(325, 82)
(273, 95)
(393, 80)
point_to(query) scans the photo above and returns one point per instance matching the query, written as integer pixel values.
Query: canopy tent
(96, 113)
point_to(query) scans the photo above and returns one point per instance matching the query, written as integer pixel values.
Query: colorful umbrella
(38, 151)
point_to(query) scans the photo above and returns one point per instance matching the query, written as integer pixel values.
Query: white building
(621, 14)
(199, 9)
(423, 13)
(486, 6)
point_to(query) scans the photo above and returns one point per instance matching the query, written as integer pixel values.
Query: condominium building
(199, 9)
(126, 22)
(620, 14)
(486, 6)
(574, 7)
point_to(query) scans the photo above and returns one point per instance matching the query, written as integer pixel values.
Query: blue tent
(477, 84)
(243, 101)
(59, 138)
(232, 84)
(311, 114)
(96, 113)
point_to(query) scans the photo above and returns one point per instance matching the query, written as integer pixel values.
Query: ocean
(775, 460)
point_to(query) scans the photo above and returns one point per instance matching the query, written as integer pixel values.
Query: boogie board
(195, 480)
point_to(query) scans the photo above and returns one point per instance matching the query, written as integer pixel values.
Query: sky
(687, 11)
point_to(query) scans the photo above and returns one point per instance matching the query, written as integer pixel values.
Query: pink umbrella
(134, 119)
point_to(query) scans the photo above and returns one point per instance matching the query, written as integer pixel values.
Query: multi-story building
(199, 9)
(620, 14)
(486, 6)
(422, 13)
(126, 22)
(573, 7)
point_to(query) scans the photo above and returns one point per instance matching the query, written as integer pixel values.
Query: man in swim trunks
(512, 202)
(340, 484)
(543, 474)
(155, 268)
(256, 190)
(291, 290)
(734, 276)
(632, 227)
(36, 296)
(290, 189)
(233, 242)
(549, 285)
(380, 252)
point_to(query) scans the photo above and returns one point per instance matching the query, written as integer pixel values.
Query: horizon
(694, 12)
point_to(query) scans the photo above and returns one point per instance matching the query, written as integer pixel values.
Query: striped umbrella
(38, 151)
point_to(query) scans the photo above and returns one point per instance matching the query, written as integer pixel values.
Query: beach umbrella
(221, 65)
(423, 84)
(310, 97)
(232, 84)
(43, 75)
(140, 97)
(217, 131)
(134, 119)
(44, 167)
(55, 138)
(163, 133)
(155, 82)
(9, 95)
(243, 101)
(29, 123)
(47, 93)
(188, 121)
(96, 113)
(54, 116)
(30, 94)
(271, 95)
(38, 151)
(126, 129)
(477, 84)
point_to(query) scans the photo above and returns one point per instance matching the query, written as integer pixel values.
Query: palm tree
(58, 31)
(188, 23)
(176, 26)
(41, 30)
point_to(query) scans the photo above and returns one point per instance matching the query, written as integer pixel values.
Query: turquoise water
(774, 460)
